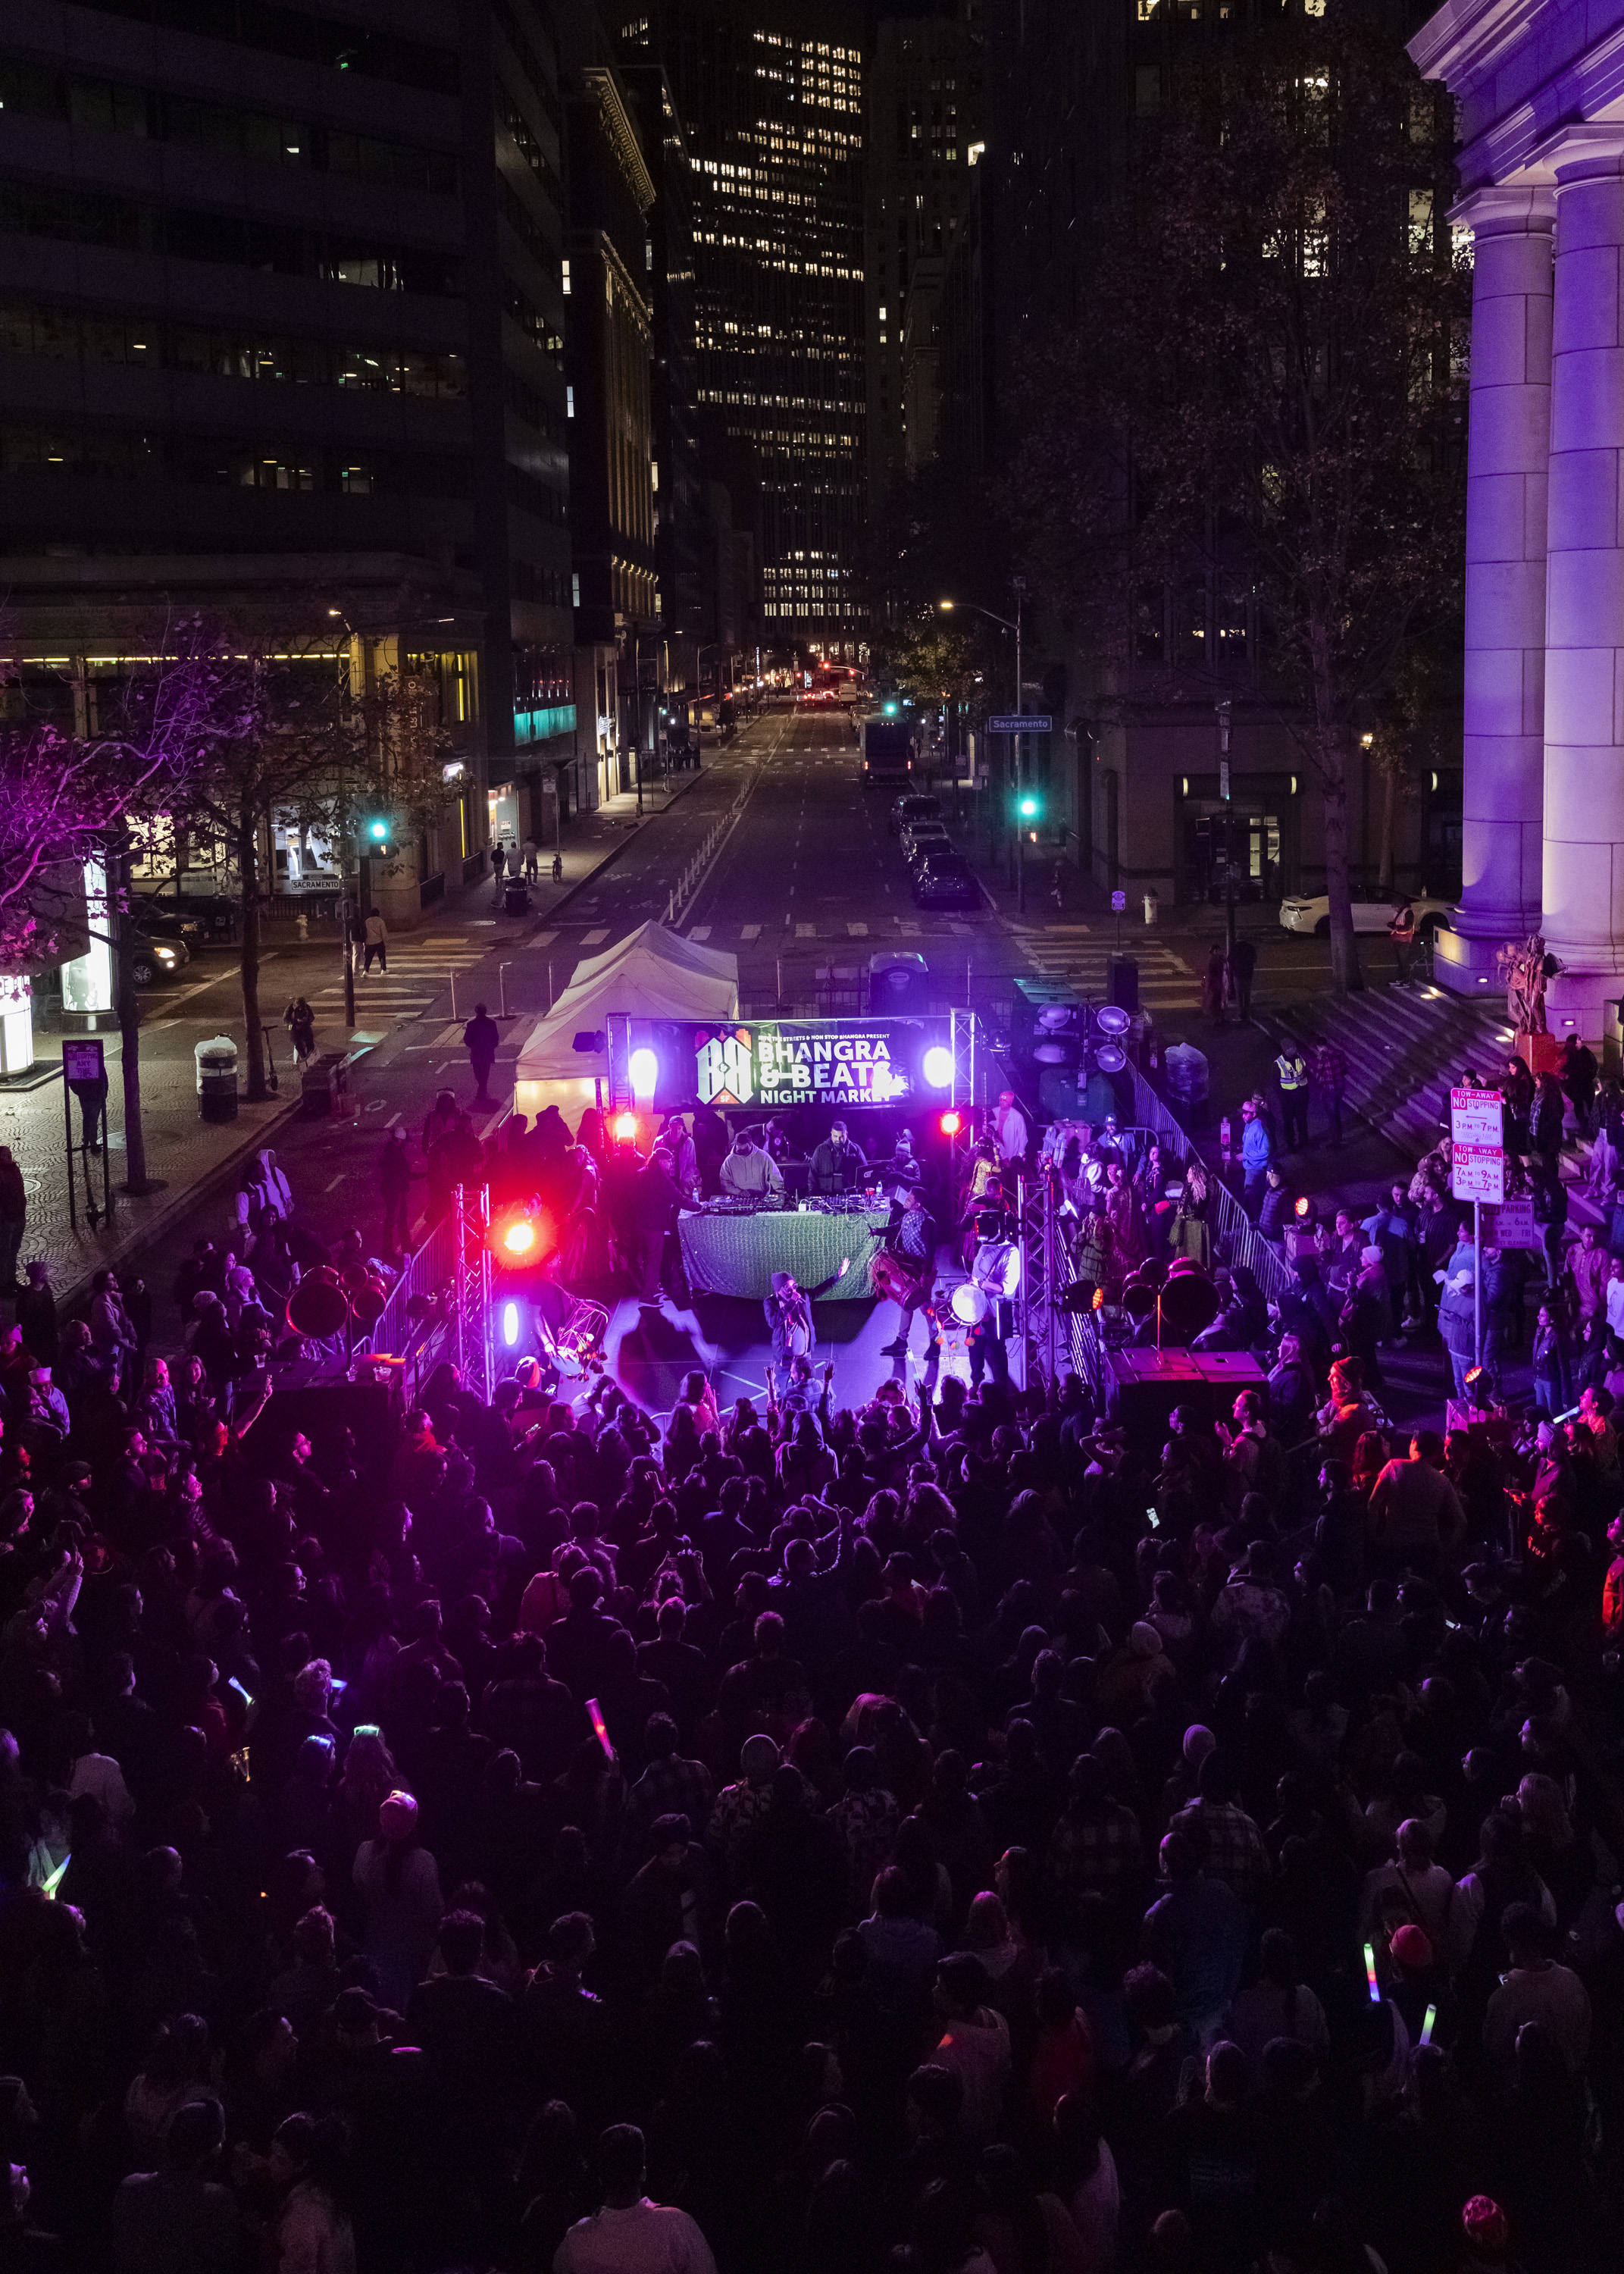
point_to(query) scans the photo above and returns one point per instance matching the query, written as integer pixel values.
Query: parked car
(919, 837)
(1314, 915)
(945, 879)
(914, 806)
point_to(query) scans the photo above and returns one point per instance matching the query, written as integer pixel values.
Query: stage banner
(773, 1063)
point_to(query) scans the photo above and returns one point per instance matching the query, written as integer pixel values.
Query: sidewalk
(193, 1157)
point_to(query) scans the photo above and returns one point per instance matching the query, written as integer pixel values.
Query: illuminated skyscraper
(769, 93)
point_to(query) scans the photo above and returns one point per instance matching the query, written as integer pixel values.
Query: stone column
(1583, 886)
(1506, 445)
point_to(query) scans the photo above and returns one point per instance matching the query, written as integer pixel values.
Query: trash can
(325, 1079)
(216, 1069)
(515, 899)
(1152, 906)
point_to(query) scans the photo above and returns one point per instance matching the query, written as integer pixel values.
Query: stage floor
(651, 1352)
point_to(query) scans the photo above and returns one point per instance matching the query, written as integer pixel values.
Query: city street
(808, 877)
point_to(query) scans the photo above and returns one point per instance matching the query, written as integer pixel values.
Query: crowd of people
(941, 1834)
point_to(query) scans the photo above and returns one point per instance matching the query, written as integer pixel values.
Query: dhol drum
(891, 1283)
(970, 1303)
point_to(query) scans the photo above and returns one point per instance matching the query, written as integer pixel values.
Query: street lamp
(1017, 853)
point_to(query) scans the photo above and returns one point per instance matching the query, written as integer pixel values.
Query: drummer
(996, 1273)
(912, 1242)
(837, 1165)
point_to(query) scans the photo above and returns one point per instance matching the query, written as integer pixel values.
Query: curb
(182, 1197)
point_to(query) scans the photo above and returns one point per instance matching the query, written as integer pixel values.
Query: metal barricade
(440, 1307)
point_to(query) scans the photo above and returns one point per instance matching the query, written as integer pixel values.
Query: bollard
(501, 981)
(454, 1007)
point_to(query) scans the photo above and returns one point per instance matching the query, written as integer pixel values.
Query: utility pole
(1228, 828)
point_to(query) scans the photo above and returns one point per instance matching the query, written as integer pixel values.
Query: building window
(574, 589)
(569, 402)
(566, 279)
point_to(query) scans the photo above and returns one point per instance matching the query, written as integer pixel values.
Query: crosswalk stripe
(806, 931)
(595, 938)
(700, 932)
(751, 931)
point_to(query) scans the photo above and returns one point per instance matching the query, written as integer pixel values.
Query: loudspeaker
(1122, 982)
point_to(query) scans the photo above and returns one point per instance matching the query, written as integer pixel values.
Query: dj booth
(727, 1252)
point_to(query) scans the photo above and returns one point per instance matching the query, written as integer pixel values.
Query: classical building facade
(1541, 91)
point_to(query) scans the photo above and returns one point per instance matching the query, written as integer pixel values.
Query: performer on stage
(789, 1312)
(997, 1272)
(750, 1172)
(911, 1244)
(837, 1165)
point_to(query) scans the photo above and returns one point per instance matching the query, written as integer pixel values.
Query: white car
(1314, 915)
(928, 834)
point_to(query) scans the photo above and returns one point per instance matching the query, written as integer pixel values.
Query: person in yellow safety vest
(1291, 1072)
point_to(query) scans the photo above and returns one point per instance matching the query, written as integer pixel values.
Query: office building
(925, 133)
(281, 342)
(770, 95)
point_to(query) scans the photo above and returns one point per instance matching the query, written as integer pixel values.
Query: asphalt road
(806, 876)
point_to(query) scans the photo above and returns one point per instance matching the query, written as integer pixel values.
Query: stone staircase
(1406, 1043)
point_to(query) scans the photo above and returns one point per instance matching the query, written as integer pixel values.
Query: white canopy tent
(650, 973)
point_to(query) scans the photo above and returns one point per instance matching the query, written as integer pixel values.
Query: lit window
(569, 402)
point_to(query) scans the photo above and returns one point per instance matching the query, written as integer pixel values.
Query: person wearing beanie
(399, 1882)
(1487, 2234)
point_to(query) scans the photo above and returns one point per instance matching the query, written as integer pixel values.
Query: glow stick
(54, 1880)
(1426, 2026)
(594, 1715)
(1370, 1974)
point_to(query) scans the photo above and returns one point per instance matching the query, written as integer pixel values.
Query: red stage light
(950, 1124)
(521, 1236)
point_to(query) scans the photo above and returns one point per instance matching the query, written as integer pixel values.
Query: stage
(649, 1352)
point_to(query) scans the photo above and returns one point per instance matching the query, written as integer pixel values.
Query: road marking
(806, 931)
(595, 938)
(751, 931)
(965, 930)
(700, 932)
(390, 1123)
(338, 1180)
(542, 939)
(857, 932)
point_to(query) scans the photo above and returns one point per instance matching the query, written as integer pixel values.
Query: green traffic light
(1028, 806)
(379, 829)
(891, 710)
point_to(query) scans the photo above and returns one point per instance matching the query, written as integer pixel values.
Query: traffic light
(1031, 805)
(377, 833)
(891, 710)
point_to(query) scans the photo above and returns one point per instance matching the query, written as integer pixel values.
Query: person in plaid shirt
(866, 1817)
(1097, 1849)
(1234, 1845)
(738, 1805)
(670, 1786)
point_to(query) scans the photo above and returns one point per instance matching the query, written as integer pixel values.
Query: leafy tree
(1265, 395)
(288, 737)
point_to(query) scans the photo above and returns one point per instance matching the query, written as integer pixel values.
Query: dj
(750, 1173)
(911, 1242)
(789, 1312)
(837, 1165)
